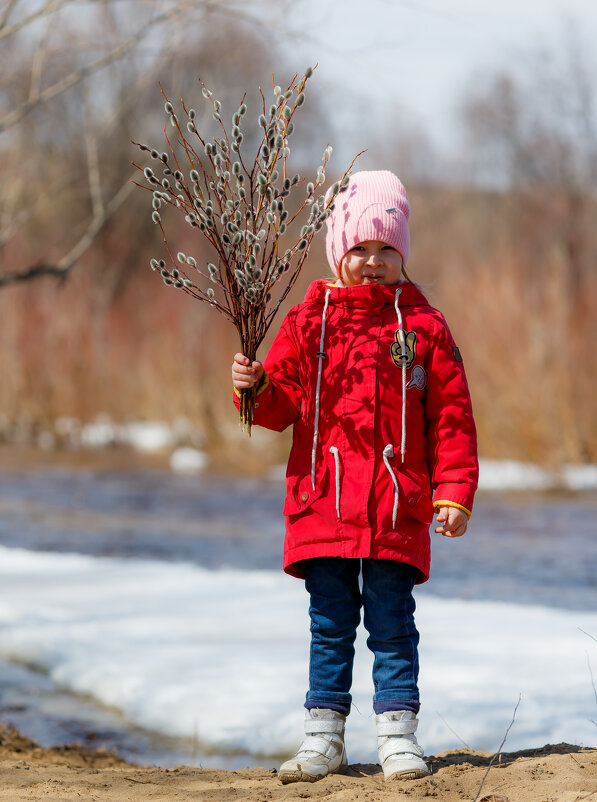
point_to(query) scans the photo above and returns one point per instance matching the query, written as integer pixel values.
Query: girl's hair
(406, 276)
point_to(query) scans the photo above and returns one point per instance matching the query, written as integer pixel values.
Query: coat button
(412, 501)
(304, 497)
(375, 319)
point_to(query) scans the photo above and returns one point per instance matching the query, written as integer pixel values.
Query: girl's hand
(453, 522)
(244, 374)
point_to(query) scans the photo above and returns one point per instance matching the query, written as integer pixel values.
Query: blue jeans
(335, 611)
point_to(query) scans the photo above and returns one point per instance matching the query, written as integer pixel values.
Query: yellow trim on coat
(264, 383)
(441, 503)
(262, 386)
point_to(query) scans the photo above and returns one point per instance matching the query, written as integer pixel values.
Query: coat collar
(365, 296)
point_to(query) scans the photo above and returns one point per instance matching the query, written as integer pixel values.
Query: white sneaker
(400, 755)
(322, 752)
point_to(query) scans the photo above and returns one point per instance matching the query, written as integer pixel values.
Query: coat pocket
(300, 494)
(415, 500)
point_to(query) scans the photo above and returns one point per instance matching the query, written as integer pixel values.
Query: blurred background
(132, 505)
(487, 112)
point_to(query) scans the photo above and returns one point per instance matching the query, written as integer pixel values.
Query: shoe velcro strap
(314, 744)
(324, 725)
(399, 746)
(402, 727)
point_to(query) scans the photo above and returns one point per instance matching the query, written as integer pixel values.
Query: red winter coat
(365, 501)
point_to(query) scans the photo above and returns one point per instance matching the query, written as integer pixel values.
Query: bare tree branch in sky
(77, 75)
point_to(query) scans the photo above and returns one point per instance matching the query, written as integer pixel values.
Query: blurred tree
(532, 136)
(79, 81)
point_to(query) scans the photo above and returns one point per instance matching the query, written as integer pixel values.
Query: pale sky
(418, 58)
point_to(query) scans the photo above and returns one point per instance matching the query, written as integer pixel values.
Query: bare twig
(8, 229)
(36, 72)
(51, 7)
(453, 731)
(588, 634)
(141, 782)
(592, 677)
(77, 76)
(93, 169)
(499, 751)
(14, 220)
(436, 788)
(6, 13)
(69, 261)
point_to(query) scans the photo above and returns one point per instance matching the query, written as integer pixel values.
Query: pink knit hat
(374, 207)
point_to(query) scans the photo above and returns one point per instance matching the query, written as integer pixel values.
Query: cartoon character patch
(418, 378)
(410, 343)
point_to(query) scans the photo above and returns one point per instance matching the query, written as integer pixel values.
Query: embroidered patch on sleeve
(457, 354)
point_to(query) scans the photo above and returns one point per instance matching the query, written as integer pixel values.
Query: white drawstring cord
(387, 453)
(403, 360)
(321, 356)
(334, 451)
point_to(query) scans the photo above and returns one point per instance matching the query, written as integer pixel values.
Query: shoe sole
(299, 776)
(409, 774)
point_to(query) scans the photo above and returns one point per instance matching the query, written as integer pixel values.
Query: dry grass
(522, 310)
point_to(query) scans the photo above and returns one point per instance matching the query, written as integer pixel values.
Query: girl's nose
(373, 259)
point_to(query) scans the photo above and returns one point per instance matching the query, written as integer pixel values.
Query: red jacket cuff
(455, 494)
(262, 396)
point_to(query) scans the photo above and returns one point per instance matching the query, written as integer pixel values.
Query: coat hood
(365, 296)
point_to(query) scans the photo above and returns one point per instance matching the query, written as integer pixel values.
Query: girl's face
(370, 262)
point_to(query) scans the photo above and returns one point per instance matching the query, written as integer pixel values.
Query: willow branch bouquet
(242, 209)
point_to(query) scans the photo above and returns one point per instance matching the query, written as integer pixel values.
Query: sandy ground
(559, 773)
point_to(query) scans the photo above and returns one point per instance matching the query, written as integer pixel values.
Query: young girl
(368, 374)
